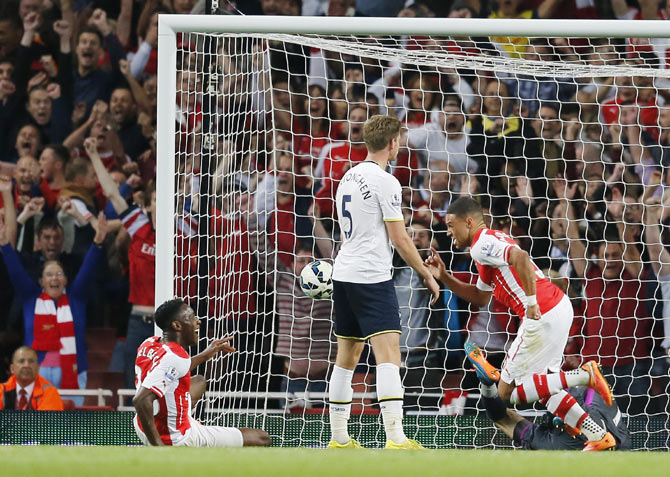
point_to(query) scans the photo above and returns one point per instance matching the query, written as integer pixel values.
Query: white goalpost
(560, 128)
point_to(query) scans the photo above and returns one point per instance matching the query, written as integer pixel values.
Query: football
(316, 281)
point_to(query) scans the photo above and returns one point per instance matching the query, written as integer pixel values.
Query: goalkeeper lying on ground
(551, 433)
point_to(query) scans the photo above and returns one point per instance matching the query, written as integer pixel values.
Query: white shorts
(203, 436)
(539, 344)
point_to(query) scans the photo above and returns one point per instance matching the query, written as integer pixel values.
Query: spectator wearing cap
(26, 390)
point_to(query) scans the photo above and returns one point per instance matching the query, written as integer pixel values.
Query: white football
(316, 280)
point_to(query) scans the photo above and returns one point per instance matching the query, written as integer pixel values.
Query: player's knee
(255, 438)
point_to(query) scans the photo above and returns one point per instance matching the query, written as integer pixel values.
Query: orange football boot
(606, 443)
(598, 382)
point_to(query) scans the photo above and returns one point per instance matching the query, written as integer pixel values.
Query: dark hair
(453, 99)
(90, 29)
(168, 312)
(304, 246)
(47, 222)
(465, 207)
(61, 153)
(9, 12)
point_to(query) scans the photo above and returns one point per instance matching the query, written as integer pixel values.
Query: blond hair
(379, 130)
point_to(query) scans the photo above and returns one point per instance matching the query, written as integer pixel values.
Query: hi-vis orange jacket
(45, 396)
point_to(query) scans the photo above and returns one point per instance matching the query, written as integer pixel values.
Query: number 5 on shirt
(347, 215)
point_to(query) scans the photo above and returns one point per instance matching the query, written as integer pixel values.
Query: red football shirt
(141, 256)
(165, 369)
(490, 251)
(616, 327)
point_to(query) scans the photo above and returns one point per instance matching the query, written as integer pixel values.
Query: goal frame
(170, 25)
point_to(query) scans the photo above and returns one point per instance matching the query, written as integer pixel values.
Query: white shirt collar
(29, 391)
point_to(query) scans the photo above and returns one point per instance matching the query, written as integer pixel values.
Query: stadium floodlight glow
(253, 92)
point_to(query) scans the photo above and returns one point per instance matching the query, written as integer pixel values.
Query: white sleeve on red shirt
(134, 219)
(491, 251)
(166, 374)
(483, 286)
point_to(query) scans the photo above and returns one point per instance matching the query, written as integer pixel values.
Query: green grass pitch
(130, 461)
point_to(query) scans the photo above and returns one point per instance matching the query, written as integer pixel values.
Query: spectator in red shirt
(338, 157)
(289, 220)
(307, 145)
(636, 91)
(141, 227)
(52, 162)
(422, 98)
(231, 284)
(615, 329)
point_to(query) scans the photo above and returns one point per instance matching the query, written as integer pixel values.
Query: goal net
(563, 139)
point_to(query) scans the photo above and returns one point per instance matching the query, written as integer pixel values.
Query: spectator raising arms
(54, 314)
(141, 257)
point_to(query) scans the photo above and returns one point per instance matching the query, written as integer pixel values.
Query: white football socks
(340, 393)
(390, 397)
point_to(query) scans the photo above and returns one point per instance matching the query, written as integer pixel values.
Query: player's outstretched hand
(219, 346)
(533, 312)
(435, 264)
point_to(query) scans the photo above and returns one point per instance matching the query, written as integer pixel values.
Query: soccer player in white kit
(507, 272)
(368, 202)
(165, 387)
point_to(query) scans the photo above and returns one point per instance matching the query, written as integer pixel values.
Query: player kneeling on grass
(165, 387)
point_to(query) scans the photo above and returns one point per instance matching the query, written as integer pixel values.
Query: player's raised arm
(520, 261)
(407, 250)
(216, 347)
(466, 291)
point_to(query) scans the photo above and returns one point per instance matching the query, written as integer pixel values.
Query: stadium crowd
(575, 169)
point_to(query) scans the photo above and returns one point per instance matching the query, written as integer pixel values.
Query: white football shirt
(367, 196)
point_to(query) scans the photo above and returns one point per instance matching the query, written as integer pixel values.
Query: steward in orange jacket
(24, 370)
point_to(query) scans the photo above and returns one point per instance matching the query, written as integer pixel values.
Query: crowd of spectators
(575, 169)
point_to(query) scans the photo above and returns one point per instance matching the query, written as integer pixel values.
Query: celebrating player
(164, 383)
(510, 275)
(368, 206)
